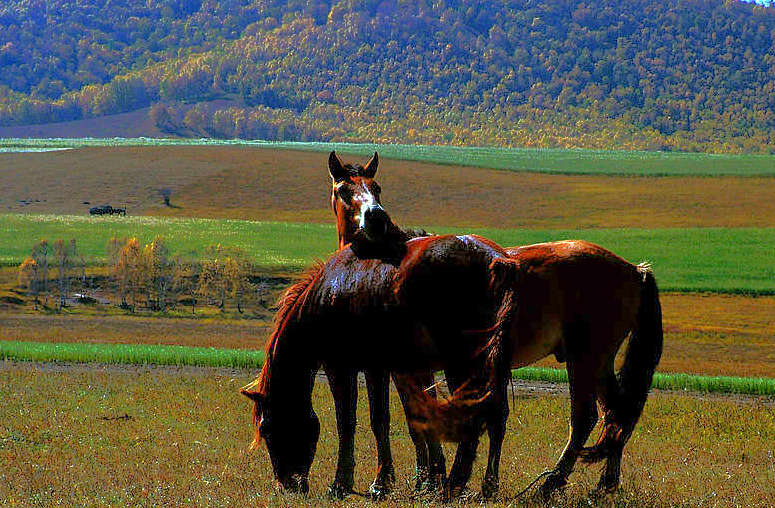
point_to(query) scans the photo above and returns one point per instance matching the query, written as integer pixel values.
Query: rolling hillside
(691, 75)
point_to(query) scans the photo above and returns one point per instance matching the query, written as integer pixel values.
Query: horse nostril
(376, 213)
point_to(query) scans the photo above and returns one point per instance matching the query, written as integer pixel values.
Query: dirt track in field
(264, 184)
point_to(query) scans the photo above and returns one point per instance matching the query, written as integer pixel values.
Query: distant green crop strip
(244, 359)
(132, 354)
(669, 381)
(536, 160)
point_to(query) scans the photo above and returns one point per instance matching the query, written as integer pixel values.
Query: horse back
(575, 298)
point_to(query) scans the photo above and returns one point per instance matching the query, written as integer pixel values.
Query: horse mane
(353, 170)
(290, 303)
(415, 233)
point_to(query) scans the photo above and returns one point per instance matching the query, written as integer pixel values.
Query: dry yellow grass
(219, 333)
(153, 437)
(262, 184)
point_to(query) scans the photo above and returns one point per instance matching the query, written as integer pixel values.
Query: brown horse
(363, 223)
(577, 296)
(434, 310)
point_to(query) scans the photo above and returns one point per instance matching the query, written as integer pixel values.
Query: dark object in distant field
(106, 210)
(165, 194)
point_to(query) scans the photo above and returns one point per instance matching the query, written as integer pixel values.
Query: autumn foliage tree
(40, 255)
(158, 270)
(29, 277)
(224, 274)
(128, 272)
(64, 258)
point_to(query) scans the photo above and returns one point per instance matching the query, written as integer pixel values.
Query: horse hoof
(489, 488)
(338, 491)
(433, 483)
(421, 478)
(378, 492)
(453, 492)
(554, 482)
(607, 485)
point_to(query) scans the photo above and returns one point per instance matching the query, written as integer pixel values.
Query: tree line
(143, 276)
(697, 75)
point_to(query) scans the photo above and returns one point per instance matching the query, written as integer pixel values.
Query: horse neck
(291, 374)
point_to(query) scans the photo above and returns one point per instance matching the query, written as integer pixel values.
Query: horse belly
(530, 348)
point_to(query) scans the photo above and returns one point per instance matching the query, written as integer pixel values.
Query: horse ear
(371, 167)
(336, 168)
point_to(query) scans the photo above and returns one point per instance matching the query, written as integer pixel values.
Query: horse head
(289, 429)
(355, 200)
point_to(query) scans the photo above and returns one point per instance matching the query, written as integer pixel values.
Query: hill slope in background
(689, 75)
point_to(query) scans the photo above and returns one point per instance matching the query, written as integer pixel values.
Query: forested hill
(686, 74)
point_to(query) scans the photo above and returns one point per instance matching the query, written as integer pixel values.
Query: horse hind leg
(430, 463)
(609, 445)
(378, 386)
(461, 469)
(583, 418)
(496, 429)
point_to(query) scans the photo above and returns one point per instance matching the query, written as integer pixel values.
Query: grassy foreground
(548, 160)
(144, 354)
(730, 260)
(152, 438)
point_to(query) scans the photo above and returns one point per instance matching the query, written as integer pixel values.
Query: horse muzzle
(374, 222)
(295, 483)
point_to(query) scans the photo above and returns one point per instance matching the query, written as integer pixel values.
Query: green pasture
(549, 160)
(734, 260)
(141, 354)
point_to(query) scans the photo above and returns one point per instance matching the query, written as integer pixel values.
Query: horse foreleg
(583, 382)
(430, 466)
(437, 466)
(378, 386)
(465, 455)
(345, 392)
(496, 429)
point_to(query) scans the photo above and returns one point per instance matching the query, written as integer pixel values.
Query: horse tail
(449, 419)
(637, 372)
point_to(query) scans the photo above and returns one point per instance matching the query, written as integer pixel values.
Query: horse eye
(344, 193)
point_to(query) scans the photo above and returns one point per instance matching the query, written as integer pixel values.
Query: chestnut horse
(362, 223)
(565, 303)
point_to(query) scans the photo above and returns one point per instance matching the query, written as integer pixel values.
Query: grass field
(733, 260)
(152, 437)
(243, 182)
(557, 161)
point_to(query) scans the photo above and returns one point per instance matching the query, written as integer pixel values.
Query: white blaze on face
(366, 198)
